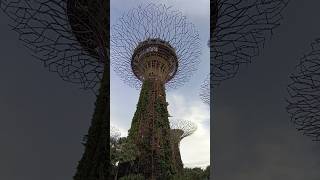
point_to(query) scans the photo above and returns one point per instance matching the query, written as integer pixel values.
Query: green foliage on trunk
(133, 177)
(157, 161)
(94, 164)
(141, 107)
(162, 126)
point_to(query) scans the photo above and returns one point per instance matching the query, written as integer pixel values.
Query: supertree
(179, 130)
(114, 133)
(304, 94)
(153, 47)
(205, 90)
(239, 29)
(71, 38)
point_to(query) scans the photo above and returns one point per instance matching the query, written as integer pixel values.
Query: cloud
(195, 149)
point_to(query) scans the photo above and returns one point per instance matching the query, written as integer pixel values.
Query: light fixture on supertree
(239, 30)
(153, 47)
(304, 94)
(179, 130)
(70, 37)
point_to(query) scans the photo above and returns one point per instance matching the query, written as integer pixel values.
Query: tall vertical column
(175, 146)
(150, 131)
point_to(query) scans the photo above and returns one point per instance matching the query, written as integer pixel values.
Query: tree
(153, 47)
(70, 38)
(179, 130)
(194, 174)
(122, 150)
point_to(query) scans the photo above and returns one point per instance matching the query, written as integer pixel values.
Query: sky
(44, 118)
(184, 102)
(252, 137)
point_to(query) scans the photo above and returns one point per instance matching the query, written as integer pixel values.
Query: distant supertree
(153, 46)
(239, 29)
(205, 90)
(304, 94)
(179, 130)
(71, 38)
(114, 133)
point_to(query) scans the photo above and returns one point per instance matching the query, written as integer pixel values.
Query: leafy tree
(121, 150)
(194, 174)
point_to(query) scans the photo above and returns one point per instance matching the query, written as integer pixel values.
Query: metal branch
(205, 90)
(154, 22)
(188, 127)
(60, 36)
(304, 94)
(239, 30)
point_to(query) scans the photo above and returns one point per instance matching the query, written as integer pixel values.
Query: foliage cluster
(121, 150)
(194, 174)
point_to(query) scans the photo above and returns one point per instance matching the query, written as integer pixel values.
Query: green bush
(133, 177)
(193, 174)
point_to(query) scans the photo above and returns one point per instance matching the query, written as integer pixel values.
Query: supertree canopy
(154, 22)
(71, 38)
(205, 90)
(179, 130)
(88, 20)
(304, 94)
(152, 47)
(239, 29)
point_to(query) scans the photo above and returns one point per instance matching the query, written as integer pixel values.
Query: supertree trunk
(150, 131)
(179, 130)
(176, 156)
(71, 38)
(94, 163)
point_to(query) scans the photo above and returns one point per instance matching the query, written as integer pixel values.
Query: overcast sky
(184, 103)
(252, 134)
(44, 118)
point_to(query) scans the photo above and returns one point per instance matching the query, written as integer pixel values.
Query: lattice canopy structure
(68, 36)
(184, 128)
(304, 94)
(88, 20)
(239, 30)
(162, 26)
(205, 90)
(179, 130)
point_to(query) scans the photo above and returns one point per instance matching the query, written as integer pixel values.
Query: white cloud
(114, 122)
